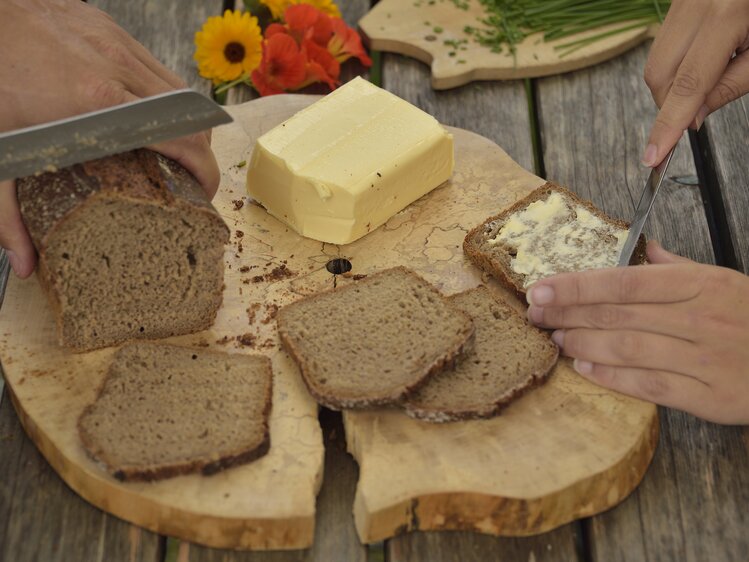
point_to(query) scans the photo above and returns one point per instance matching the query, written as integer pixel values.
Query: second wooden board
(432, 32)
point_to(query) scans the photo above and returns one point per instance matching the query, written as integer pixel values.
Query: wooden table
(585, 130)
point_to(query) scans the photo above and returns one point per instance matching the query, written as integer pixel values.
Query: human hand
(692, 71)
(63, 58)
(673, 332)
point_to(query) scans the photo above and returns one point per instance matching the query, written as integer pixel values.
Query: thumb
(657, 255)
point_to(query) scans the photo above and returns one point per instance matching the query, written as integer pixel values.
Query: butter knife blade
(108, 131)
(652, 185)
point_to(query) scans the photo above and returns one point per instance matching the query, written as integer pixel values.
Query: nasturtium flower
(346, 43)
(283, 67)
(228, 46)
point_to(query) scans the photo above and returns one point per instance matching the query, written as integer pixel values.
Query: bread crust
(338, 403)
(483, 411)
(50, 200)
(472, 243)
(205, 466)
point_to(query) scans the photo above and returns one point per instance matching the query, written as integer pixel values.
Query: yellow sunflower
(228, 46)
(277, 7)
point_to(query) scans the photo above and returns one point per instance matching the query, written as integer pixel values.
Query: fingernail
(582, 367)
(536, 314)
(701, 114)
(540, 296)
(651, 153)
(558, 337)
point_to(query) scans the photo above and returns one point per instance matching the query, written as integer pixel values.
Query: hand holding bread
(673, 332)
(65, 58)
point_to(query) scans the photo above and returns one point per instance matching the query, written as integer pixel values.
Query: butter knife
(643, 208)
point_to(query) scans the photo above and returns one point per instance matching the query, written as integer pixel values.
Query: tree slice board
(427, 31)
(413, 475)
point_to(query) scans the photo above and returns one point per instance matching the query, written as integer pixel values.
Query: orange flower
(346, 43)
(283, 67)
(305, 22)
(321, 66)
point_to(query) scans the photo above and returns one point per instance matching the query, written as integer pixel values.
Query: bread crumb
(252, 311)
(246, 339)
(238, 204)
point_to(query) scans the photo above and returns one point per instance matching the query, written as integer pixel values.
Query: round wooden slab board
(420, 28)
(566, 450)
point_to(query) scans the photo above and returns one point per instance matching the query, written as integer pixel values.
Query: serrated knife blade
(652, 185)
(108, 131)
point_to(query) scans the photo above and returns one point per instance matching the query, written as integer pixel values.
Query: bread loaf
(129, 247)
(165, 410)
(509, 356)
(374, 341)
(550, 231)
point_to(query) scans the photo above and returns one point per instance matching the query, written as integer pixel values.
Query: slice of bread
(372, 342)
(165, 410)
(129, 248)
(509, 356)
(550, 231)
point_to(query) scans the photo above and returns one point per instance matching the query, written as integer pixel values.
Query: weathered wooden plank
(167, 29)
(351, 12)
(335, 535)
(556, 546)
(42, 519)
(497, 111)
(594, 124)
(728, 131)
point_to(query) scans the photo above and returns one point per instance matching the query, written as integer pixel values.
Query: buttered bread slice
(550, 231)
(343, 166)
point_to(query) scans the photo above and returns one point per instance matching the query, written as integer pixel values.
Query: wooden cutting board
(428, 30)
(566, 450)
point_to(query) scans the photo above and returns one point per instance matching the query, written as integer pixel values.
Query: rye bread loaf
(165, 410)
(509, 356)
(567, 243)
(129, 247)
(372, 342)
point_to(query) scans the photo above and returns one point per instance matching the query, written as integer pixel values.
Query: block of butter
(343, 166)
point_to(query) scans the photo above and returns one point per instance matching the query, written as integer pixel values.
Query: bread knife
(643, 208)
(108, 131)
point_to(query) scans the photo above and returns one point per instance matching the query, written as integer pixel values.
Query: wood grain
(728, 130)
(497, 111)
(167, 30)
(427, 31)
(43, 519)
(594, 125)
(461, 546)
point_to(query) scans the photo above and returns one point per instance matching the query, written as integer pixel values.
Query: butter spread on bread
(343, 166)
(552, 234)
(550, 231)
